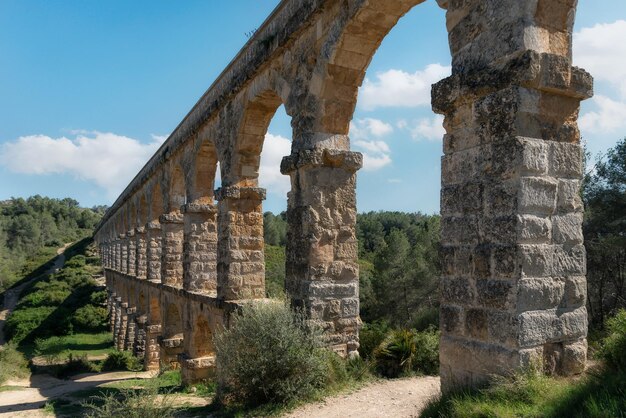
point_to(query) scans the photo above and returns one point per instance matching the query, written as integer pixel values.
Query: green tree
(604, 229)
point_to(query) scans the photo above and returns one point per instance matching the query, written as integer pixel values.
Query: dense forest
(399, 265)
(35, 227)
(604, 195)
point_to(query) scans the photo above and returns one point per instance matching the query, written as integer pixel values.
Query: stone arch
(257, 115)
(174, 188)
(142, 306)
(142, 209)
(341, 70)
(172, 322)
(155, 207)
(201, 182)
(154, 310)
(202, 338)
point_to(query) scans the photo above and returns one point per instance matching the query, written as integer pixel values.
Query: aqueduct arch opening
(513, 285)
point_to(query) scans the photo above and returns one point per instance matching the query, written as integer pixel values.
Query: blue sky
(89, 89)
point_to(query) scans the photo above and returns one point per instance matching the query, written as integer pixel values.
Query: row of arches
(512, 102)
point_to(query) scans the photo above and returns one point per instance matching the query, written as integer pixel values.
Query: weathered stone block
(537, 195)
(533, 229)
(537, 294)
(567, 229)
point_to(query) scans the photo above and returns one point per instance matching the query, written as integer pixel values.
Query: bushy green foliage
(275, 229)
(73, 366)
(401, 279)
(275, 271)
(28, 226)
(60, 303)
(371, 336)
(121, 360)
(613, 348)
(13, 365)
(23, 321)
(90, 318)
(129, 403)
(604, 229)
(267, 355)
(403, 352)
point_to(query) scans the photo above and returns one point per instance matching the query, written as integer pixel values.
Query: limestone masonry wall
(181, 257)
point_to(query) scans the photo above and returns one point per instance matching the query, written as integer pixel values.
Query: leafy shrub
(90, 318)
(98, 298)
(12, 363)
(394, 356)
(403, 352)
(370, 337)
(268, 355)
(143, 403)
(613, 349)
(75, 365)
(76, 262)
(23, 322)
(51, 349)
(427, 352)
(121, 360)
(426, 318)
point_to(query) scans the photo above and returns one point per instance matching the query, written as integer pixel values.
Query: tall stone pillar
(141, 252)
(132, 253)
(117, 319)
(154, 238)
(139, 346)
(513, 264)
(322, 272)
(198, 360)
(152, 359)
(172, 229)
(200, 248)
(240, 257)
(120, 341)
(123, 254)
(111, 308)
(131, 328)
(105, 256)
(117, 263)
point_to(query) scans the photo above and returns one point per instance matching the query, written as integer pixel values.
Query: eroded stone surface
(513, 264)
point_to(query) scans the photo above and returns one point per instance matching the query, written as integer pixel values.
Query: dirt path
(397, 398)
(28, 401)
(12, 296)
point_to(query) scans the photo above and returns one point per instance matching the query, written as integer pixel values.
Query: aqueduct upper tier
(179, 257)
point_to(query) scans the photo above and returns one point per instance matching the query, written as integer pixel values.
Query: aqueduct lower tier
(179, 258)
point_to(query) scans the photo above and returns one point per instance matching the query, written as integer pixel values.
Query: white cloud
(375, 162)
(376, 153)
(397, 88)
(376, 147)
(430, 129)
(368, 127)
(105, 159)
(609, 118)
(601, 50)
(394, 181)
(275, 148)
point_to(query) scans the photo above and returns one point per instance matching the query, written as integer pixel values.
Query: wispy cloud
(376, 152)
(609, 118)
(601, 50)
(107, 160)
(430, 129)
(398, 88)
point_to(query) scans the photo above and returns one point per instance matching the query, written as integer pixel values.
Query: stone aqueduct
(180, 258)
